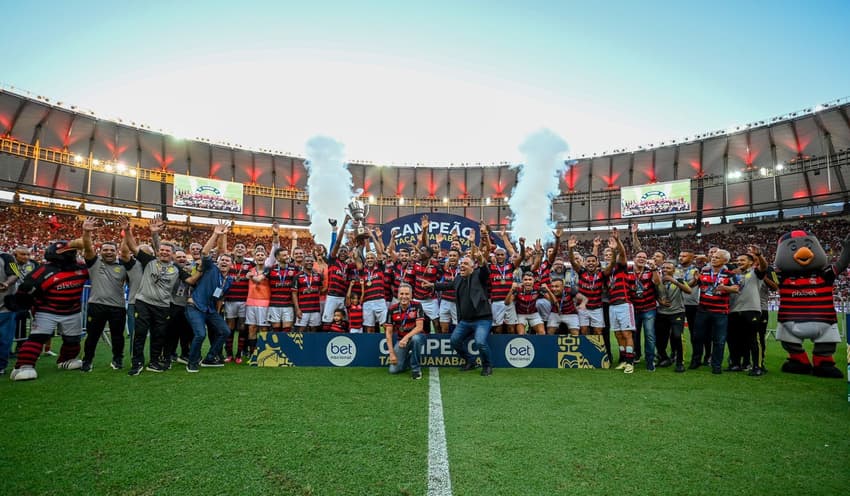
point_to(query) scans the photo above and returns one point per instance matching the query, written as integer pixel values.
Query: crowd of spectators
(34, 228)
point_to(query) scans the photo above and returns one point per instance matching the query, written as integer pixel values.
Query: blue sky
(432, 82)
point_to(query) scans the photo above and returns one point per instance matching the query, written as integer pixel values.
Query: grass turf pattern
(317, 431)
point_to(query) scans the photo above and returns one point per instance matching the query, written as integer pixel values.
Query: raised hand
(558, 232)
(332, 222)
(634, 227)
(157, 225)
(275, 228)
(573, 241)
(90, 224)
(612, 242)
(424, 221)
(439, 238)
(538, 246)
(597, 241)
(123, 223)
(222, 227)
(294, 234)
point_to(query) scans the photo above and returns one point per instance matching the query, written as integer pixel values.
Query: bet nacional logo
(341, 351)
(519, 352)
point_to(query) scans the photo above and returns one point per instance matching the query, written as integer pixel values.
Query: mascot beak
(804, 256)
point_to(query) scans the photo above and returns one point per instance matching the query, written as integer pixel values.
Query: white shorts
(529, 320)
(374, 312)
(256, 316)
(310, 319)
(818, 332)
(431, 308)
(277, 315)
(503, 314)
(355, 331)
(65, 325)
(622, 317)
(234, 310)
(448, 311)
(570, 319)
(591, 318)
(332, 304)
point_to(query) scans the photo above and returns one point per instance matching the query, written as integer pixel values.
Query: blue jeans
(7, 336)
(646, 320)
(711, 327)
(408, 357)
(480, 330)
(199, 321)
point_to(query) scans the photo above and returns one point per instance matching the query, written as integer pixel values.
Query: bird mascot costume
(806, 308)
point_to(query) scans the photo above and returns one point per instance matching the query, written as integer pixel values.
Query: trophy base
(361, 234)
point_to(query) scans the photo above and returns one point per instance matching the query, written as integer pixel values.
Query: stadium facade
(791, 164)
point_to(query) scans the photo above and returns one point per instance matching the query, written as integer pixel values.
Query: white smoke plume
(537, 184)
(328, 184)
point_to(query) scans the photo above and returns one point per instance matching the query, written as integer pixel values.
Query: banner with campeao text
(329, 349)
(407, 230)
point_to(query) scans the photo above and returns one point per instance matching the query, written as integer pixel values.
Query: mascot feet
(825, 367)
(24, 374)
(794, 367)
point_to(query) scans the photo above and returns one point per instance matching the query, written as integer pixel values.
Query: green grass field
(318, 431)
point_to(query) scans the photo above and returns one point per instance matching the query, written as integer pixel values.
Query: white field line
(439, 480)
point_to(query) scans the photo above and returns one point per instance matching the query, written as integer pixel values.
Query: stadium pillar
(163, 203)
(700, 201)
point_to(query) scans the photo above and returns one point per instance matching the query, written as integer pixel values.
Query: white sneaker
(23, 374)
(621, 366)
(49, 353)
(74, 364)
(629, 369)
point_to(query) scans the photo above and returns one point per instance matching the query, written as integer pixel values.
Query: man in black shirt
(473, 309)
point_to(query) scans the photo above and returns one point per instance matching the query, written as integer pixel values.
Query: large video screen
(655, 199)
(211, 195)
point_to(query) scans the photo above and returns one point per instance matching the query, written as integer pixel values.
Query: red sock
(820, 360)
(799, 357)
(28, 353)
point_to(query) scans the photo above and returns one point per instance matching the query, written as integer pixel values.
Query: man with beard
(688, 271)
(474, 313)
(745, 310)
(338, 275)
(590, 284)
(403, 331)
(203, 312)
(234, 301)
(716, 283)
(448, 306)
(281, 277)
(642, 280)
(106, 299)
(374, 284)
(427, 273)
(305, 299)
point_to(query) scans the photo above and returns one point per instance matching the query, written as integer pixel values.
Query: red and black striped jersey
(238, 273)
(56, 290)
(308, 287)
(544, 274)
(711, 300)
(642, 291)
(807, 297)
(281, 281)
(618, 285)
(591, 284)
(429, 272)
(388, 281)
(404, 320)
(355, 316)
(338, 273)
(374, 282)
(564, 304)
(341, 326)
(526, 301)
(402, 272)
(501, 280)
(449, 275)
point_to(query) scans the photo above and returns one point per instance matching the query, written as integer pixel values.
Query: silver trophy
(358, 210)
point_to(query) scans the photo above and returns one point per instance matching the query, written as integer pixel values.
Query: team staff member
(106, 300)
(153, 303)
(670, 321)
(744, 310)
(403, 330)
(712, 320)
(7, 316)
(213, 280)
(474, 314)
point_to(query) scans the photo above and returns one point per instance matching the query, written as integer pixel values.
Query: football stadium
(196, 316)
